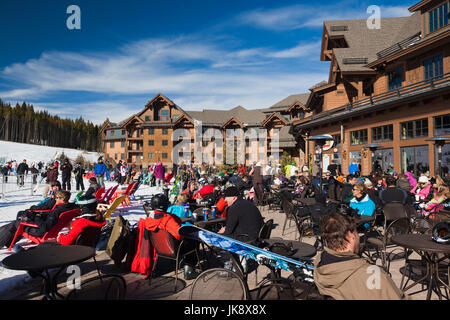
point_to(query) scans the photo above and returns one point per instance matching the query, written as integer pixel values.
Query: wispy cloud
(194, 73)
(300, 16)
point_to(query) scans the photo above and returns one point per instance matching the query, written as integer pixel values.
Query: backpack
(120, 240)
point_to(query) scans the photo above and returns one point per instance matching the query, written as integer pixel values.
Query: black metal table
(429, 250)
(43, 258)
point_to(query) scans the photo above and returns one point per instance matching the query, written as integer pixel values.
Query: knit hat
(88, 204)
(423, 179)
(231, 192)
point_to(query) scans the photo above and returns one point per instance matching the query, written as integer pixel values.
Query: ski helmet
(159, 202)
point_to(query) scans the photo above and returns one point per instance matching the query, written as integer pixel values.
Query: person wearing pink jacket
(422, 189)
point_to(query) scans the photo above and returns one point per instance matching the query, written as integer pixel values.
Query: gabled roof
(231, 120)
(364, 43)
(272, 116)
(130, 119)
(219, 117)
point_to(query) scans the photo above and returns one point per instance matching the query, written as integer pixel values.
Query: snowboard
(260, 255)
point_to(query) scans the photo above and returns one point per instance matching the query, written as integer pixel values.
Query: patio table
(42, 259)
(429, 250)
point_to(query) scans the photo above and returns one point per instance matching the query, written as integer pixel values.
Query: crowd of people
(237, 196)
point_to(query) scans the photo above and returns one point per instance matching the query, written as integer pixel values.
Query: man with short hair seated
(339, 272)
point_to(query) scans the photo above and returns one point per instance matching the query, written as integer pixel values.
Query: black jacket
(243, 218)
(66, 170)
(46, 220)
(22, 167)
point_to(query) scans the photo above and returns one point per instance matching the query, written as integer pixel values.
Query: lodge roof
(364, 43)
(219, 117)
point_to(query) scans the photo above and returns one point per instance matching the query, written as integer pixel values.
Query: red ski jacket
(78, 225)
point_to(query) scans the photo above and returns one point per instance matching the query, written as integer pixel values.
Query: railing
(379, 98)
(399, 46)
(15, 183)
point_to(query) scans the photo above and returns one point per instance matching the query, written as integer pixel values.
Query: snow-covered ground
(35, 153)
(10, 205)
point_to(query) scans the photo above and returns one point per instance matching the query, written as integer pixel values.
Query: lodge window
(123, 132)
(442, 125)
(111, 132)
(165, 142)
(438, 18)
(151, 155)
(287, 117)
(165, 131)
(148, 118)
(414, 129)
(395, 79)
(151, 143)
(164, 155)
(111, 144)
(358, 137)
(337, 140)
(122, 144)
(122, 156)
(383, 133)
(164, 115)
(434, 67)
(115, 156)
(151, 131)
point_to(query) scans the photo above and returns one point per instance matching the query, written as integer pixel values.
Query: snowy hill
(35, 153)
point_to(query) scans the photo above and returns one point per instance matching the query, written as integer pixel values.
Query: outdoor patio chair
(110, 208)
(89, 238)
(99, 193)
(166, 246)
(264, 233)
(105, 287)
(288, 209)
(396, 221)
(63, 221)
(125, 193)
(106, 197)
(219, 284)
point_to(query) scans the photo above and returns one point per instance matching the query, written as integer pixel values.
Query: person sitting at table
(190, 191)
(340, 273)
(44, 219)
(347, 194)
(93, 187)
(422, 189)
(178, 208)
(161, 219)
(90, 218)
(243, 217)
(435, 204)
(362, 202)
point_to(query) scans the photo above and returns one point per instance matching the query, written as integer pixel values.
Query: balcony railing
(388, 95)
(399, 46)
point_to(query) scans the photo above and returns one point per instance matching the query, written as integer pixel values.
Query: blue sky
(199, 53)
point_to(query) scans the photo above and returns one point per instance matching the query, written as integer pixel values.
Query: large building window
(415, 159)
(151, 131)
(383, 133)
(438, 18)
(164, 115)
(358, 137)
(122, 144)
(164, 155)
(111, 144)
(442, 125)
(151, 143)
(395, 79)
(151, 155)
(414, 129)
(165, 142)
(434, 67)
(165, 131)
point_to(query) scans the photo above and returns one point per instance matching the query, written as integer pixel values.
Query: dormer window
(438, 17)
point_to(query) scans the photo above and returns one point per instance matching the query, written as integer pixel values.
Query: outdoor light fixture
(439, 141)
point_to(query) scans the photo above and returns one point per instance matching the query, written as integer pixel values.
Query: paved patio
(162, 286)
